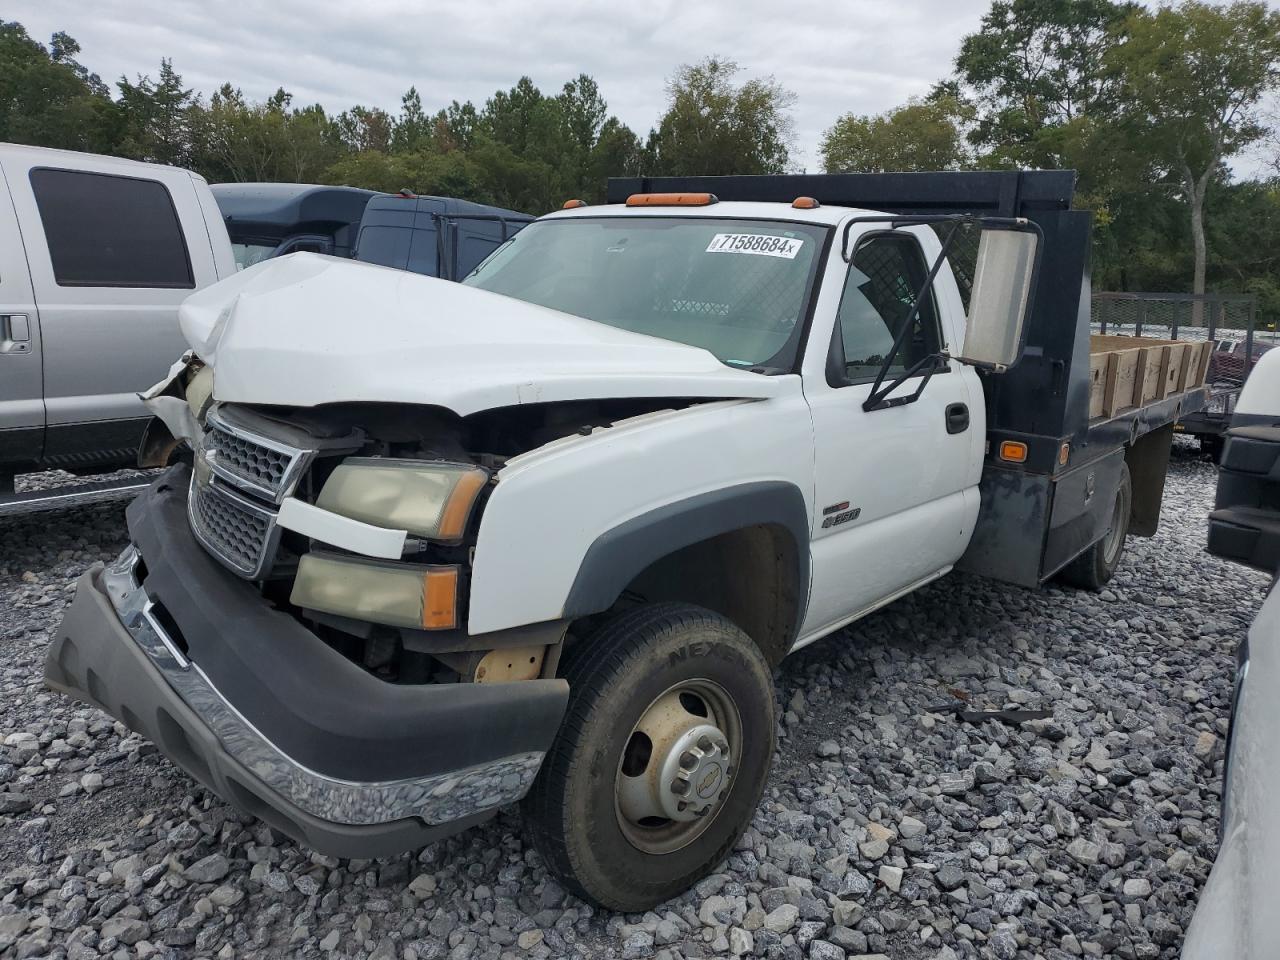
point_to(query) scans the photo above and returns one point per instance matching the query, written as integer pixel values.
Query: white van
(96, 253)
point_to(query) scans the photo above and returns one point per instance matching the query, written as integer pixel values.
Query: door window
(110, 231)
(887, 272)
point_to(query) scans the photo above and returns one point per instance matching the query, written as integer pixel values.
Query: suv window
(881, 288)
(110, 231)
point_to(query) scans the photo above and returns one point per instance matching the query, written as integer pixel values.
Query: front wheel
(1093, 568)
(660, 760)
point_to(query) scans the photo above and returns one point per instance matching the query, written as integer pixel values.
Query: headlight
(400, 594)
(200, 392)
(431, 500)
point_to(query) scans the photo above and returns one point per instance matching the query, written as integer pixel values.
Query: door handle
(957, 418)
(15, 333)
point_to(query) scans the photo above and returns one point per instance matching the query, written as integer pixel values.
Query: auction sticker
(759, 244)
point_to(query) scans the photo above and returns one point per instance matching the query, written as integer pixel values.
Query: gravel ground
(885, 829)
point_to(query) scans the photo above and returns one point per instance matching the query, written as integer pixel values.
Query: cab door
(895, 487)
(21, 370)
(113, 250)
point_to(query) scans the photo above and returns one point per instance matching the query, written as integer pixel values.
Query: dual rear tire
(661, 758)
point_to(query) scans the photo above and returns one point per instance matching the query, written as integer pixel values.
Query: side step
(72, 495)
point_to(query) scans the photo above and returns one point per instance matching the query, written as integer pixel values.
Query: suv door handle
(957, 418)
(15, 333)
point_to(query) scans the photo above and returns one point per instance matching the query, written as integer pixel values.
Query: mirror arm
(976, 364)
(876, 397)
(882, 400)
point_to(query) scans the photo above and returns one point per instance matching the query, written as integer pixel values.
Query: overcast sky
(836, 55)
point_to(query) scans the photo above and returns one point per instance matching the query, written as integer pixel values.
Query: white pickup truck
(431, 548)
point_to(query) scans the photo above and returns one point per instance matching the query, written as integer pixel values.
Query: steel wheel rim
(1111, 545)
(693, 717)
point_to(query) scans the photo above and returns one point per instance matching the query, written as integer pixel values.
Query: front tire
(661, 758)
(1097, 565)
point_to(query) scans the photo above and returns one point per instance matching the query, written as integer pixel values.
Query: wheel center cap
(695, 773)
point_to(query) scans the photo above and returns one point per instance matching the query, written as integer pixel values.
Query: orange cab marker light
(671, 199)
(1013, 451)
(573, 204)
(805, 203)
(440, 599)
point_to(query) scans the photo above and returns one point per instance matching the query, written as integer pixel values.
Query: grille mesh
(249, 461)
(236, 535)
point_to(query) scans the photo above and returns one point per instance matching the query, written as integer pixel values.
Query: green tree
(713, 126)
(48, 99)
(1192, 78)
(269, 141)
(1243, 226)
(156, 116)
(920, 135)
(366, 128)
(1035, 66)
(413, 128)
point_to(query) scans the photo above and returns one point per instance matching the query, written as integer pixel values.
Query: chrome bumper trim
(435, 800)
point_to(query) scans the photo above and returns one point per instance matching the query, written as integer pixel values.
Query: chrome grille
(244, 458)
(238, 532)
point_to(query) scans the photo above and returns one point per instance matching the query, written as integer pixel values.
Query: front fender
(617, 556)
(568, 525)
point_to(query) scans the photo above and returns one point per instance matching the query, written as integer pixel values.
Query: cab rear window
(111, 231)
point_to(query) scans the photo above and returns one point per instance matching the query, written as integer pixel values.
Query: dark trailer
(271, 219)
(1065, 421)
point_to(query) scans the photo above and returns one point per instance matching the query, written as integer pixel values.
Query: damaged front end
(289, 622)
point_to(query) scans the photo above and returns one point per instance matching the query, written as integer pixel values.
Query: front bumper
(261, 711)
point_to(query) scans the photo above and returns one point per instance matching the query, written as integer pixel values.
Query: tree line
(1149, 106)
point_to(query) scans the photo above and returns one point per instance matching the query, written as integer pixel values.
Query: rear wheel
(1212, 446)
(1093, 568)
(661, 759)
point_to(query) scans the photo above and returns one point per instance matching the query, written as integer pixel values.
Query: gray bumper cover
(111, 651)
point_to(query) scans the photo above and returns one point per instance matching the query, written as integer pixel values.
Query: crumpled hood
(307, 329)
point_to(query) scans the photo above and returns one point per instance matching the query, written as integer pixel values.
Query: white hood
(307, 329)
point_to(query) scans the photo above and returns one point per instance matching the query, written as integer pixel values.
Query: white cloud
(836, 55)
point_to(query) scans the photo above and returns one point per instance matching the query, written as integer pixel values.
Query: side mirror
(1000, 298)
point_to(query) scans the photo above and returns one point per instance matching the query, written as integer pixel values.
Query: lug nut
(704, 743)
(682, 806)
(688, 760)
(680, 787)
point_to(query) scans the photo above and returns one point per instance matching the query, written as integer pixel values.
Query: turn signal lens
(671, 199)
(398, 594)
(457, 509)
(1064, 454)
(1013, 451)
(440, 598)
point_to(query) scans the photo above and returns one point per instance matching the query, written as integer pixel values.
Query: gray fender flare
(617, 556)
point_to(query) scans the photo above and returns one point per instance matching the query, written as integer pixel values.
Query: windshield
(247, 254)
(738, 288)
